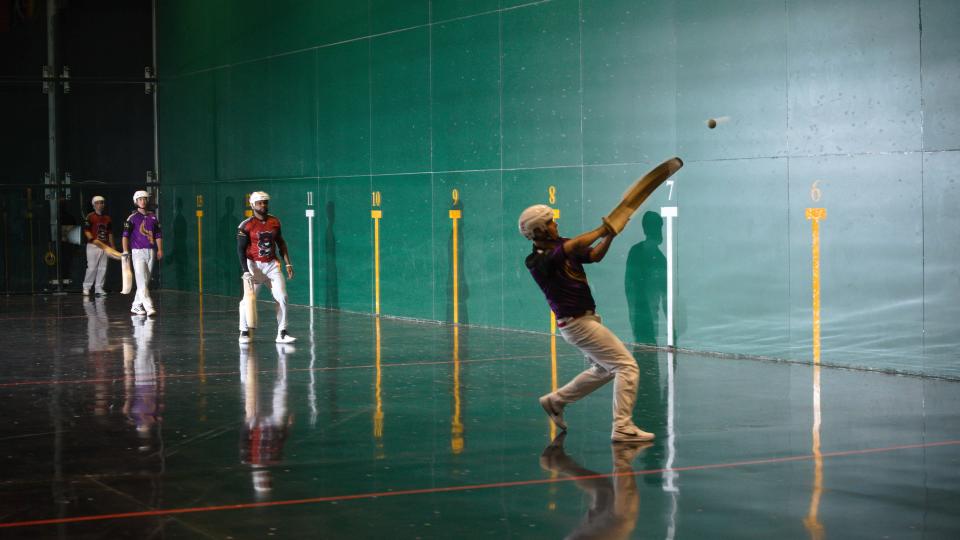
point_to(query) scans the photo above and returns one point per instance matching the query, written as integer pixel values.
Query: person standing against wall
(260, 248)
(143, 243)
(97, 226)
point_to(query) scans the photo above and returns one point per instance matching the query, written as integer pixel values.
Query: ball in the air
(711, 123)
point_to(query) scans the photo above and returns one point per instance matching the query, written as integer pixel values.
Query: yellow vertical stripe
(815, 215)
(376, 263)
(812, 521)
(456, 299)
(200, 250)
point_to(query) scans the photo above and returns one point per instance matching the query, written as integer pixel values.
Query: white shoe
(138, 310)
(284, 337)
(630, 434)
(244, 336)
(85, 292)
(554, 410)
(151, 312)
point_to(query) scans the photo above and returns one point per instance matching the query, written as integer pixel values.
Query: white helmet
(139, 194)
(533, 219)
(97, 198)
(258, 196)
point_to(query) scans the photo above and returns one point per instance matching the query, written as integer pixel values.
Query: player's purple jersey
(143, 230)
(562, 279)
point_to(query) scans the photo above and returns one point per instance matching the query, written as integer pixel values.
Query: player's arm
(158, 236)
(87, 229)
(582, 244)
(284, 253)
(243, 241)
(282, 248)
(127, 228)
(599, 251)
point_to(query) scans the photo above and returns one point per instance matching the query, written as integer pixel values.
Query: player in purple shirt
(556, 264)
(141, 234)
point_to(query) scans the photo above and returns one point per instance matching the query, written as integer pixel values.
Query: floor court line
(112, 317)
(289, 370)
(467, 487)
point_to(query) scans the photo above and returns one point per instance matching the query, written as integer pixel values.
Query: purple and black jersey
(562, 279)
(143, 230)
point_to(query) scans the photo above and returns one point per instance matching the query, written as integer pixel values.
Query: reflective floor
(115, 426)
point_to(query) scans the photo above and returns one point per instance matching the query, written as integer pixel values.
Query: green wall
(502, 100)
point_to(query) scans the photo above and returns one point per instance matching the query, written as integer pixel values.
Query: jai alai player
(260, 246)
(143, 243)
(97, 226)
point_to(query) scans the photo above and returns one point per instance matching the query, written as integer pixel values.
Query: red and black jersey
(264, 238)
(98, 225)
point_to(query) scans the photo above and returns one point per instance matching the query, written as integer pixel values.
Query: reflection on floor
(120, 426)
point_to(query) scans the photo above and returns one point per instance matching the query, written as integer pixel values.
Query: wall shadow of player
(645, 283)
(226, 265)
(463, 291)
(614, 499)
(331, 279)
(72, 259)
(179, 256)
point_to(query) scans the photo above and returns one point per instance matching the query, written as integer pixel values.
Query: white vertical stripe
(669, 212)
(310, 247)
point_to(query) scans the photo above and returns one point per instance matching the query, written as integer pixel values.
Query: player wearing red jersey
(260, 247)
(97, 226)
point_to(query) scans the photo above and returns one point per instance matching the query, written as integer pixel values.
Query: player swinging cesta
(556, 264)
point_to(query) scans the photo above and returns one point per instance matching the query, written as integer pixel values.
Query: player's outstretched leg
(579, 387)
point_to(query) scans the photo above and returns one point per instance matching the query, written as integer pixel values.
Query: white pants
(96, 268)
(610, 360)
(142, 261)
(268, 273)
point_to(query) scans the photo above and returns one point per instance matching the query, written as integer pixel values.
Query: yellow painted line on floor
(812, 521)
(378, 398)
(457, 441)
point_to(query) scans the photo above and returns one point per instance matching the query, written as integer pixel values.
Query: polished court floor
(115, 426)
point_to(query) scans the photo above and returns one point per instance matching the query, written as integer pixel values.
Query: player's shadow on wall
(179, 255)
(228, 265)
(332, 280)
(645, 283)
